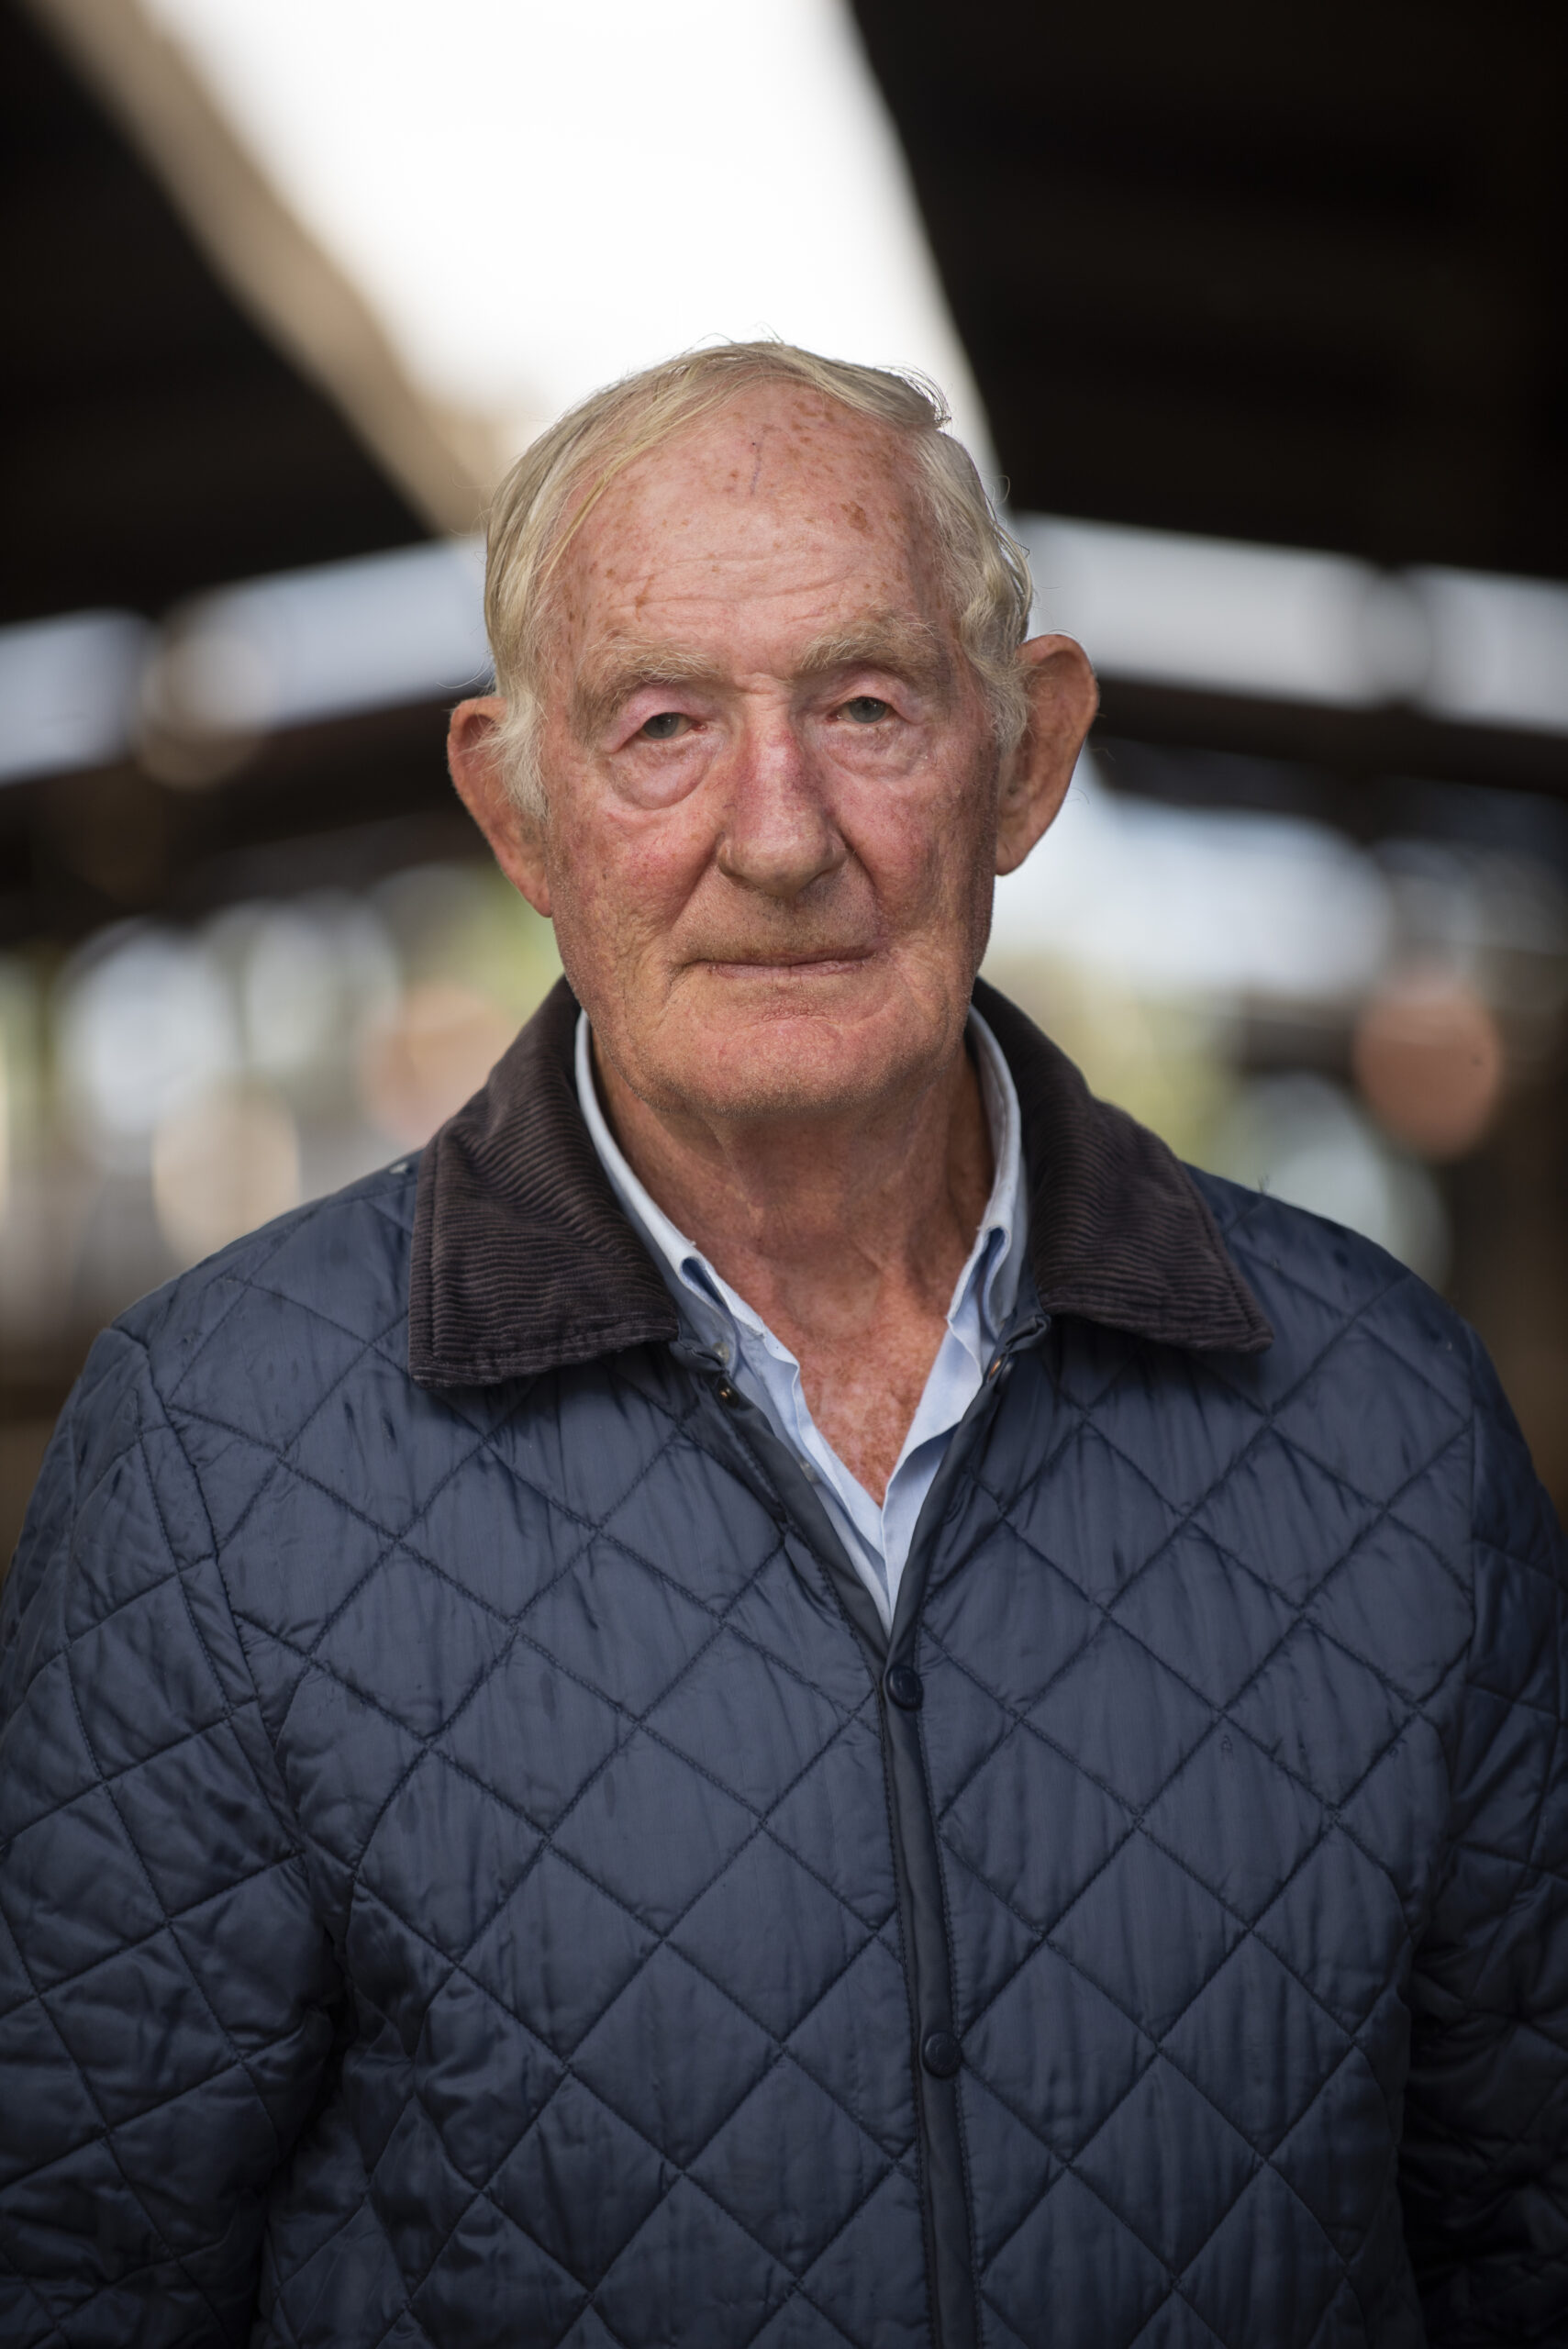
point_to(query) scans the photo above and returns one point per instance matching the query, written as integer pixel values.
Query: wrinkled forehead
(776, 485)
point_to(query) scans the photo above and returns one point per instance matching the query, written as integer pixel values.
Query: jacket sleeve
(166, 1994)
(1485, 2169)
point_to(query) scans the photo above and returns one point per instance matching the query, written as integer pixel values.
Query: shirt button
(940, 2054)
(905, 1686)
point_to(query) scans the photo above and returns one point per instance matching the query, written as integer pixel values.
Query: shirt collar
(990, 1276)
(1000, 1244)
(522, 1259)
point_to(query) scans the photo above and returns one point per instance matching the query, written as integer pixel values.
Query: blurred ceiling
(1287, 276)
(1290, 274)
(152, 440)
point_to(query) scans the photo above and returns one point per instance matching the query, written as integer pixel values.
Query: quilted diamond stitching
(1433, 1708)
(1264, 2161)
(821, 2087)
(638, 1721)
(568, 2070)
(107, 2130)
(1006, 1508)
(1369, 1663)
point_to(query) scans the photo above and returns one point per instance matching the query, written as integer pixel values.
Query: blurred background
(1257, 320)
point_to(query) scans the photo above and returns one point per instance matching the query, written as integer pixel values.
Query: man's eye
(865, 709)
(664, 726)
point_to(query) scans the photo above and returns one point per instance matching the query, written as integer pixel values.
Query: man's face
(772, 786)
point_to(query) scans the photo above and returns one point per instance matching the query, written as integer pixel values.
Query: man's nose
(779, 834)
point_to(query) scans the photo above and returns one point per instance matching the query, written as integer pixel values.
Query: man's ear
(1062, 699)
(515, 834)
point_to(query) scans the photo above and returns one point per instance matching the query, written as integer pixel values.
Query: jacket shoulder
(287, 1310)
(1343, 1309)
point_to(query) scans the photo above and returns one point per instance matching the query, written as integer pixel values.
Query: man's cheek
(911, 866)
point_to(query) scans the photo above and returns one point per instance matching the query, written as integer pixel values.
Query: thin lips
(786, 961)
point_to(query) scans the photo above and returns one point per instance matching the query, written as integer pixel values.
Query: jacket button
(726, 1393)
(940, 2054)
(905, 1685)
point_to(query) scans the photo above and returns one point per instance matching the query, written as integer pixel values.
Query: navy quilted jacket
(473, 1870)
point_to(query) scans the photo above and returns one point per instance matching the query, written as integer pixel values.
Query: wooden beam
(444, 462)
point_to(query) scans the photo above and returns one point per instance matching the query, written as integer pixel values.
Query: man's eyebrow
(905, 648)
(610, 678)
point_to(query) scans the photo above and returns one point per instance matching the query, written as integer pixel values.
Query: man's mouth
(818, 963)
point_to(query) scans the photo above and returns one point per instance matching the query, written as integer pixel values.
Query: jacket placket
(936, 2050)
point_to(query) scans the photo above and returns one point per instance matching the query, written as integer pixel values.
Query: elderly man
(802, 1694)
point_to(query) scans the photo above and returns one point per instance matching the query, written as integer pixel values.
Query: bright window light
(1198, 902)
(1285, 624)
(371, 634)
(1170, 609)
(1499, 649)
(537, 196)
(67, 691)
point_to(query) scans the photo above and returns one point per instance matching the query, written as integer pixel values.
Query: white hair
(561, 478)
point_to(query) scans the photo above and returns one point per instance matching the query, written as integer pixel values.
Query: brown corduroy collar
(523, 1261)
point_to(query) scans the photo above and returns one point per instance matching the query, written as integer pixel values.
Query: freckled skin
(769, 856)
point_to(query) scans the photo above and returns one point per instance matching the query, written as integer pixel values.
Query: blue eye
(663, 726)
(865, 709)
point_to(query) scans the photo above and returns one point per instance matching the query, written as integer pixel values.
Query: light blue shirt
(876, 1540)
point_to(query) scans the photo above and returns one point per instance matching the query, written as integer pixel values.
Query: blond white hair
(557, 482)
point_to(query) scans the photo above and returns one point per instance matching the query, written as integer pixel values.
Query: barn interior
(1265, 319)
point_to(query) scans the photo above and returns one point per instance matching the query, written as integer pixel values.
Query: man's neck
(847, 1236)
